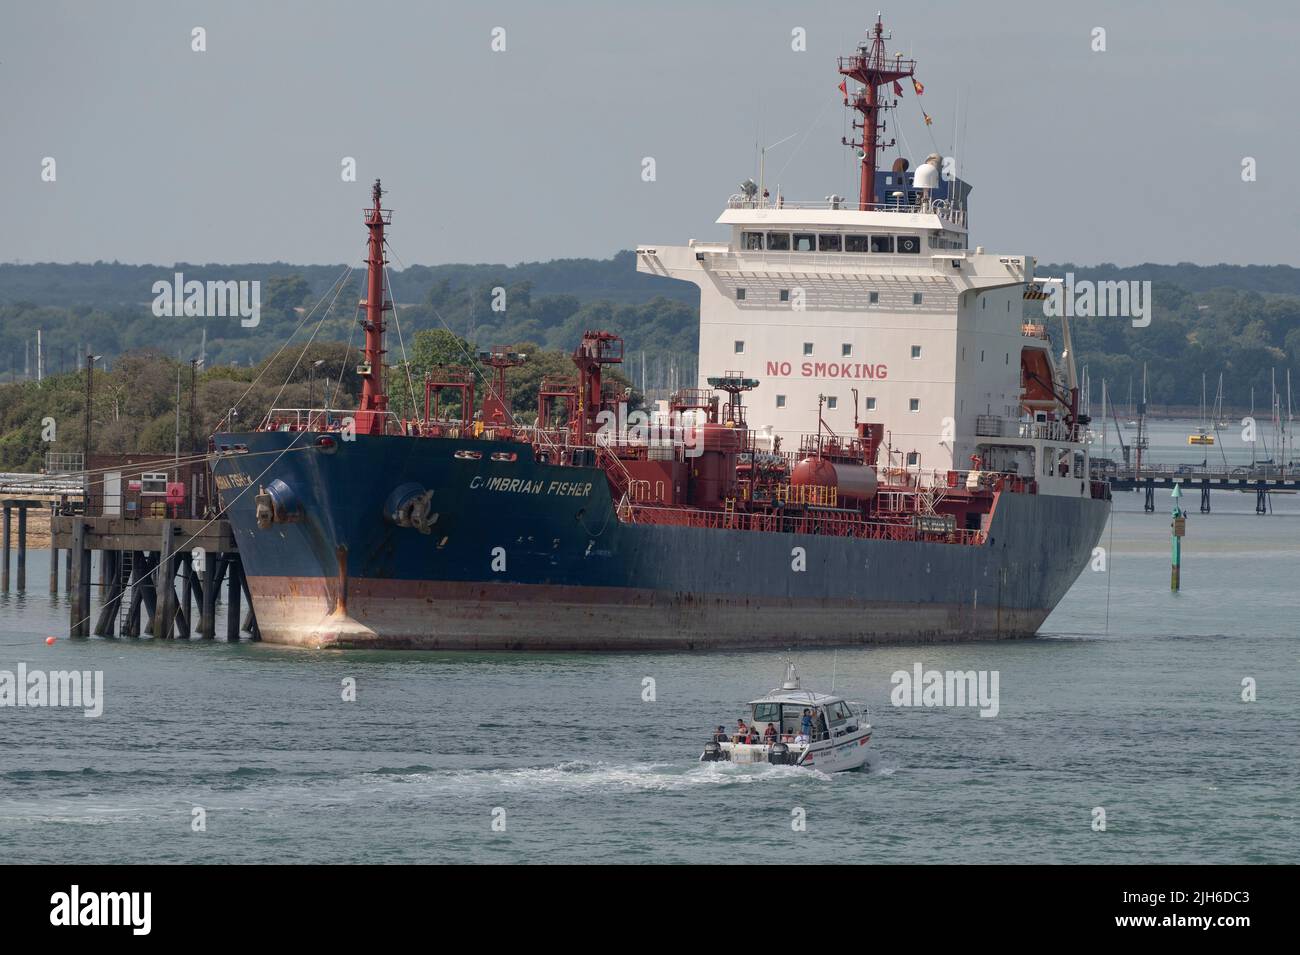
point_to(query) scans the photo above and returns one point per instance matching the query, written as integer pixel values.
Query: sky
(165, 154)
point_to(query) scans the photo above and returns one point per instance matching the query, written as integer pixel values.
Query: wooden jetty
(155, 572)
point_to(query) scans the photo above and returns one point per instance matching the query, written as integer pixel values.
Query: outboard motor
(780, 755)
(713, 753)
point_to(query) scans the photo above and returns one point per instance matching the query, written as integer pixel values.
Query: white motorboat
(833, 739)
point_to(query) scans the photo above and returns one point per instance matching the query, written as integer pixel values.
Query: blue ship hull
(522, 555)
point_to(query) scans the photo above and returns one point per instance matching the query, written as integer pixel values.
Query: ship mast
(372, 414)
(870, 67)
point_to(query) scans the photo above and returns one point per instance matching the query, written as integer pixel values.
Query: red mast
(870, 67)
(371, 416)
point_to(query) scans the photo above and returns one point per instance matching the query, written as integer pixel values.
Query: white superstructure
(881, 312)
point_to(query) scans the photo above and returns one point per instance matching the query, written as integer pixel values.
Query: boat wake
(580, 777)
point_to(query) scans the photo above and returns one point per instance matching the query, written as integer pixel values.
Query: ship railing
(840, 204)
(996, 426)
(824, 523)
(323, 419)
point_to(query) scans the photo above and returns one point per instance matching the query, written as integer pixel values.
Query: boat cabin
(832, 716)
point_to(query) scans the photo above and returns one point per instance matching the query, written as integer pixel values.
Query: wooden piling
(164, 581)
(54, 557)
(149, 592)
(79, 582)
(22, 547)
(233, 593)
(4, 557)
(139, 567)
(250, 623)
(110, 596)
(208, 598)
(187, 597)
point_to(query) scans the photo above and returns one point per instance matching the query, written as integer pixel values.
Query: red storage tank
(853, 482)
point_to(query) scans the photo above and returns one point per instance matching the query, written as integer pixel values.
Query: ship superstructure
(880, 311)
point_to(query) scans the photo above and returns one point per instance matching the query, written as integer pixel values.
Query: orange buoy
(49, 641)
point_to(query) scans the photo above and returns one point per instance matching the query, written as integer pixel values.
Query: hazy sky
(233, 154)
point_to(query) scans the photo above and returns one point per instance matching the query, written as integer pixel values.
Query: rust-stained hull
(439, 616)
(522, 555)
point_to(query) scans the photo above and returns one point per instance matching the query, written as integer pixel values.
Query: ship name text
(227, 482)
(525, 486)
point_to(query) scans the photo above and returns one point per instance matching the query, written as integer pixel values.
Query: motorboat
(836, 738)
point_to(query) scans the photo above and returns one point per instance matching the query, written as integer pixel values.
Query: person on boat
(823, 732)
(769, 734)
(720, 734)
(742, 732)
(787, 736)
(805, 724)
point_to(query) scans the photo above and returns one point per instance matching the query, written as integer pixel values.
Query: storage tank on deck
(853, 482)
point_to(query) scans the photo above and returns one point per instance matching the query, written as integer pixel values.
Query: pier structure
(1263, 480)
(158, 576)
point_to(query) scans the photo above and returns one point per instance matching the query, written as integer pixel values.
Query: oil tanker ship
(855, 464)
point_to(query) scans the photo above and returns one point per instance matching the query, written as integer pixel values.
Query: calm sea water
(1130, 700)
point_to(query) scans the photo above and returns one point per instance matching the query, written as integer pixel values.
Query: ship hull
(529, 556)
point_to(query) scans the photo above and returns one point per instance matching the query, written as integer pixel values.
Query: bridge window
(807, 348)
(873, 298)
(805, 242)
(778, 241)
(832, 401)
(784, 295)
(751, 240)
(871, 404)
(909, 244)
(917, 298)
(882, 243)
(740, 295)
(913, 404)
(916, 351)
(846, 350)
(780, 401)
(740, 347)
(913, 459)
(857, 243)
(828, 243)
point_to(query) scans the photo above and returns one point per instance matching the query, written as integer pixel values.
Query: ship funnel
(791, 678)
